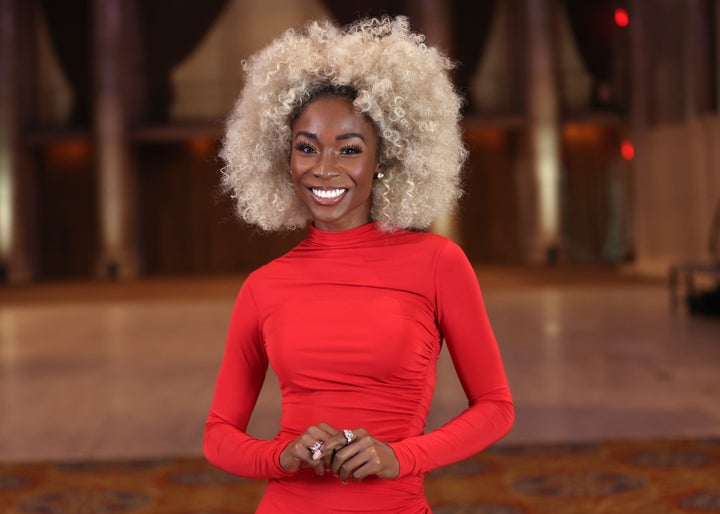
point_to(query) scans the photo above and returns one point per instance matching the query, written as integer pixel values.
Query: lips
(327, 195)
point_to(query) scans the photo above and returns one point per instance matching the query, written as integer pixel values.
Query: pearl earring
(379, 175)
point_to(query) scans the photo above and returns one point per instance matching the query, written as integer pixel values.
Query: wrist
(286, 461)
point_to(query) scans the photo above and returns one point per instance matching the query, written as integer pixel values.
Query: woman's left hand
(363, 457)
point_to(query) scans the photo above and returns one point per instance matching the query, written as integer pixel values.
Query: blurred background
(594, 133)
(593, 128)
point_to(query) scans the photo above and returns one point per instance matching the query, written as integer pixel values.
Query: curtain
(68, 24)
(472, 22)
(591, 22)
(171, 29)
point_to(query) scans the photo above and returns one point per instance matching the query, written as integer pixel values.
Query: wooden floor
(91, 370)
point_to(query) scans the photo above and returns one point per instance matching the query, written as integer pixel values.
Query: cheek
(367, 175)
(295, 168)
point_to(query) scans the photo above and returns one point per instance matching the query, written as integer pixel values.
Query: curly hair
(397, 81)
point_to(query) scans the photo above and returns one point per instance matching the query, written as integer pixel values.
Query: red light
(627, 150)
(621, 17)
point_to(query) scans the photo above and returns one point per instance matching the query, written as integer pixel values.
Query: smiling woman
(394, 79)
(356, 131)
(334, 162)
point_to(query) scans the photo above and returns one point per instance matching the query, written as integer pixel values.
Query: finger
(366, 457)
(360, 440)
(350, 458)
(350, 437)
(360, 433)
(319, 468)
(328, 428)
(341, 456)
(370, 465)
(296, 455)
(332, 443)
(350, 467)
(322, 441)
(340, 441)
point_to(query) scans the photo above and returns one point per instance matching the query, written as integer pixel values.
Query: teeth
(328, 193)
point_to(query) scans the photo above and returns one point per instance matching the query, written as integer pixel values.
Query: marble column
(433, 18)
(119, 252)
(545, 238)
(15, 175)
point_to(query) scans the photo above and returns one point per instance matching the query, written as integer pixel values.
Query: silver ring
(349, 436)
(316, 450)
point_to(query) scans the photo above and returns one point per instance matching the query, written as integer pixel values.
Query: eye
(350, 149)
(304, 148)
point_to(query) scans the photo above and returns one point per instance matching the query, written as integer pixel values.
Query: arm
(464, 323)
(242, 373)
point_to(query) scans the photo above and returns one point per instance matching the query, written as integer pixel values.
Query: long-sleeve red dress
(352, 324)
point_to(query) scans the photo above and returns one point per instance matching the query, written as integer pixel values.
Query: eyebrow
(341, 137)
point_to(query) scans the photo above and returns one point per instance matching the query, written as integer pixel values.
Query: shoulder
(435, 253)
(443, 248)
(279, 266)
(259, 277)
(448, 258)
(422, 240)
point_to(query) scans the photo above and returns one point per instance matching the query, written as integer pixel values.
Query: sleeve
(464, 324)
(241, 376)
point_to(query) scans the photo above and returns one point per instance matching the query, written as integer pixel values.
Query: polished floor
(127, 370)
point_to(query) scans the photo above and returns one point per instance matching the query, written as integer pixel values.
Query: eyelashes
(307, 148)
(351, 149)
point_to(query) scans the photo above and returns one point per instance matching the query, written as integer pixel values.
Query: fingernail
(317, 455)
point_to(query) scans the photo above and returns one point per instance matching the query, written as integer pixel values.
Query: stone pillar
(696, 59)
(433, 18)
(640, 73)
(639, 67)
(16, 221)
(119, 252)
(545, 238)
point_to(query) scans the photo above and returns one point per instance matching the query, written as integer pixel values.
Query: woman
(357, 132)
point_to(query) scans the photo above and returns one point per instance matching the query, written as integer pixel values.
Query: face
(333, 162)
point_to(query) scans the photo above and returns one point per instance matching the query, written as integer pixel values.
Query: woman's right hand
(298, 454)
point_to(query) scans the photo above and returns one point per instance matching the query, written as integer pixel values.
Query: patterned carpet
(645, 477)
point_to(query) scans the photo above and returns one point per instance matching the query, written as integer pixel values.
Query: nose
(326, 166)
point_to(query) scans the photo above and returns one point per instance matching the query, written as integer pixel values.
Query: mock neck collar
(363, 233)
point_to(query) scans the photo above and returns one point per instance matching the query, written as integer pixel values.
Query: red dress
(352, 324)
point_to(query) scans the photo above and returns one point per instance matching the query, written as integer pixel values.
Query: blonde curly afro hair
(400, 83)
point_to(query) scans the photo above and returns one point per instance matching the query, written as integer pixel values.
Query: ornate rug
(644, 477)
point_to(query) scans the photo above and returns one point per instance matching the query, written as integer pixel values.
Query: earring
(379, 175)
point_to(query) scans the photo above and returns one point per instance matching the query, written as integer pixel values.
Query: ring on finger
(316, 450)
(349, 436)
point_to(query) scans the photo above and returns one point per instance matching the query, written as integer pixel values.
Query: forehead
(332, 113)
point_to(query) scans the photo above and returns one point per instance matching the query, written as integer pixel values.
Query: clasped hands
(363, 457)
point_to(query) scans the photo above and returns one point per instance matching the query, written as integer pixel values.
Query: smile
(328, 194)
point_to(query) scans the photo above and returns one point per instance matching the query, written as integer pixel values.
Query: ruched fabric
(352, 324)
